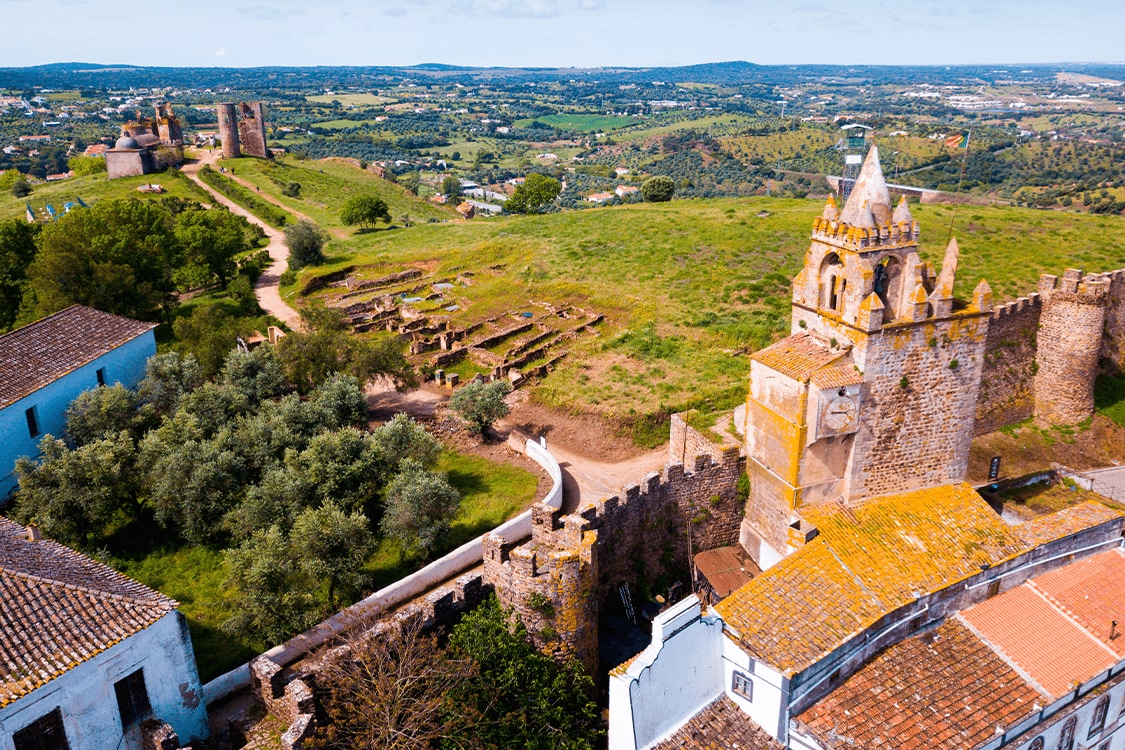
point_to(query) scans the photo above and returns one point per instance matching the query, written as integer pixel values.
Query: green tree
(17, 251)
(255, 374)
(291, 190)
(84, 166)
(167, 378)
(117, 256)
(332, 545)
(411, 182)
(520, 697)
(479, 404)
(346, 466)
(658, 189)
(451, 187)
(305, 241)
(326, 346)
(536, 191)
(420, 507)
(275, 598)
(365, 210)
(21, 188)
(208, 335)
(72, 494)
(210, 240)
(402, 438)
(103, 412)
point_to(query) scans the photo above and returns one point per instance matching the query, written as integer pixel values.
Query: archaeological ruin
(147, 144)
(242, 129)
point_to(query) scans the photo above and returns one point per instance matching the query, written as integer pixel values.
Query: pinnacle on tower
(902, 213)
(831, 213)
(870, 199)
(949, 268)
(982, 296)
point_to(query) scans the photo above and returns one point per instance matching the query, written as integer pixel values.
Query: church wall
(1007, 393)
(124, 164)
(918, 407)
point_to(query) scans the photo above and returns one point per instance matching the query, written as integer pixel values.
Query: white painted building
(86, 654)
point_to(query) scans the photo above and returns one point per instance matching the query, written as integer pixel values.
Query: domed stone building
(146, 145)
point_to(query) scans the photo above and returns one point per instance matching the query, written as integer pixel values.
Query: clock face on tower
(841, 413)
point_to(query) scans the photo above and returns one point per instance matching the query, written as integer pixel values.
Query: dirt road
(267, 288)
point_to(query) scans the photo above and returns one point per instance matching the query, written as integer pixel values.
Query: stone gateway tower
(875, 391)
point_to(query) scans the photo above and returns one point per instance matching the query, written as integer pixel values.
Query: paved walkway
(267, 287)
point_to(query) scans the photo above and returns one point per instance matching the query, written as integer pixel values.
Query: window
(32, 415)
(1066, 739)
(1100, 710)
(993, 589)
(101, 375)
(1037, 744)
(132, 697)
(45, 733)
(741, 684)
(1105, 745)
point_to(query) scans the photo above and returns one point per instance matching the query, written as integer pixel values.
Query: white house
(45, 365)
(87, 654)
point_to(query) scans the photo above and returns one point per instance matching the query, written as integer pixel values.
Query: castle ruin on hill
(879, 389)
(147, 144)
(242, 129)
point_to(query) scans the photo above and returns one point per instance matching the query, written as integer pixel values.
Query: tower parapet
(1068, 345)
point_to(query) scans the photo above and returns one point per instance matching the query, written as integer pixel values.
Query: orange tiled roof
(837, 375)
(1092, 591)
(42, 352)
(943, 690)
(719, 726)
(59, 608)
(798, 356)
(1047, 644)
(866, 561)
(1065, 522)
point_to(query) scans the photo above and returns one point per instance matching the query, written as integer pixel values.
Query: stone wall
(1070, 340)
(252, 130)
(1112, 354)
(685, 441)
(919, 406)
(228, 130)
(558, 581)
(1007, 394)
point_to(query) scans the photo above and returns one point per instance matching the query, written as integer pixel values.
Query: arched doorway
(888, 285)
(832, 283)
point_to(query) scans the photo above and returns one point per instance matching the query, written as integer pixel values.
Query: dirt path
(267, 287)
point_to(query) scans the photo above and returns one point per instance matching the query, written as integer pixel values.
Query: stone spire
(831, 213)
(902, 213)
(870, 197)
(948, 269)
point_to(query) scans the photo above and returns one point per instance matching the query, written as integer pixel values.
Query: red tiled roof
(798, 356)
(1050, 648)
(1065, 522)
(943, 690)
(59, 608)
(42, 352)
(720, 726)
(1092, 591)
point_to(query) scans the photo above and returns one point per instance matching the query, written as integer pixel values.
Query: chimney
(33, 534)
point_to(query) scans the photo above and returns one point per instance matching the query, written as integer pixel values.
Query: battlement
(1021, 306)
(863, 238)
(1077, 286)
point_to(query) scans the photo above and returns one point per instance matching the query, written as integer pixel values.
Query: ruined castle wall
(252, 130)
(685, 442)
(1007, 391)
(228, 130)
(1112, 354)
(557, 582)
(919, 406)
(1070, 340)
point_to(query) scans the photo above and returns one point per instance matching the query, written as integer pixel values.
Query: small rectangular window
(132, 697)
(741, 684)
(101, 375)
(993, 589)
(32, 415)
(45, 733)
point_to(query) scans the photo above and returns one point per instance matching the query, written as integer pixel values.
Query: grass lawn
(94, 188)
(366, 99)
(1109, 396)
(490, 494)
(690, 287)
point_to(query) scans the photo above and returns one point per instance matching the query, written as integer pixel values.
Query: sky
(559, 33)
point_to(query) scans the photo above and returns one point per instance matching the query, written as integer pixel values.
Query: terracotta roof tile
(1092, 591)
(941, 690)
(1065, 522)
(836, 376)
(798, 356)
(42, 352)
(720, 726)
(1050, 648)
(59, 608)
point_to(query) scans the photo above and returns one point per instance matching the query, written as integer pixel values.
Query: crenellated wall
(1007, 393)
(1112, 355)
(557, 582)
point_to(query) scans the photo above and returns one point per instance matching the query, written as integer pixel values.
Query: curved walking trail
(267, 288)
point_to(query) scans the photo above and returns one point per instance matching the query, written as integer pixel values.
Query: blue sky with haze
(559, 33)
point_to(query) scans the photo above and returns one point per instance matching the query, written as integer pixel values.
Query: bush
(21, 188)
(480, 404)
(305, 241)
(658, 189)
(292, 190)
(86, 165)
(365, 210)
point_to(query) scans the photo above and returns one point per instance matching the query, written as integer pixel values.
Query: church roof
(869, 204)
(870, 559)
(59, 608)
(799, 355)
(44, 351)
(720, 725)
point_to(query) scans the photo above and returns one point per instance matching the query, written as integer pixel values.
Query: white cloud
(221, 53)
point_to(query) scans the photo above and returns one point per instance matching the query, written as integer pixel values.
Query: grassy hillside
(327, 184)
(95, 188)
(690, 287)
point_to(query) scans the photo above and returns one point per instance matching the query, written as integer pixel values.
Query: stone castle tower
(242, 129)
(875, 391)
(228, 130)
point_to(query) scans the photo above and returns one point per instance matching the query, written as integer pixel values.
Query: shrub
(658, 189)
(305, 241)
(480, 404)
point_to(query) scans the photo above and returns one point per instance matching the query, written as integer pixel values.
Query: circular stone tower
(228, 130)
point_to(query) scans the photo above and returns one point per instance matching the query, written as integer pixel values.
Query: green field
(689, 288)
(582, 123)
(95, 188)
(358, 100)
